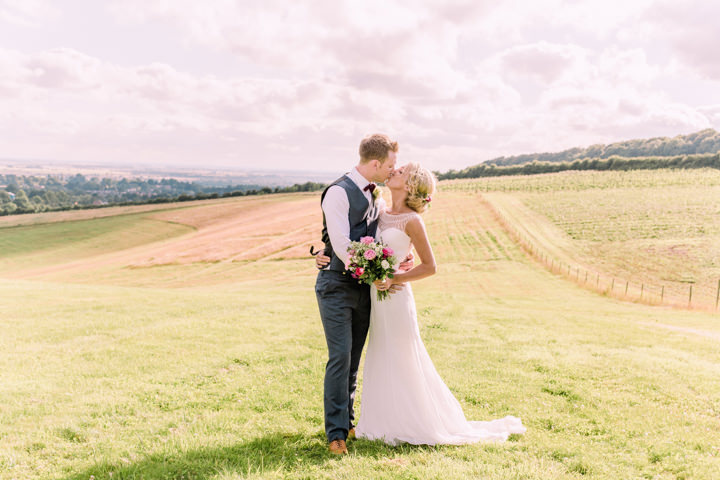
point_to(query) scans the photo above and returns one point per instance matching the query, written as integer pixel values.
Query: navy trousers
(345, 312)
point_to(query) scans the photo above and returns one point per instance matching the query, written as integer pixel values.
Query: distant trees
(704, 141)
(631, 154)
(27, 194)
(612, 163)
(23, 202)
(7, 208)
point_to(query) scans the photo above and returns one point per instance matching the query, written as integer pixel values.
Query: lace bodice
(398, 221)
(391, 232)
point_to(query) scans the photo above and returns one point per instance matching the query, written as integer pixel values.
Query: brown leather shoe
(338, 447)
(351, 434)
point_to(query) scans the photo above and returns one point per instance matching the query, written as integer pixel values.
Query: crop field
(657, 231)
(182, 341)
(179, 245)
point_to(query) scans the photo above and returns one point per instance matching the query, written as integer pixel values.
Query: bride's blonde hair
(421, 184)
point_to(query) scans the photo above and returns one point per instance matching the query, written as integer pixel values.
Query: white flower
(385, 264)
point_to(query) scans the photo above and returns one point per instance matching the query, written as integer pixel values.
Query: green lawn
(225, 381)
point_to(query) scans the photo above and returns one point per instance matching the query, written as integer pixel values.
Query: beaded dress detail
(387, 220)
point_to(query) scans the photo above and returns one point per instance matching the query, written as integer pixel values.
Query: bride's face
(397, 178)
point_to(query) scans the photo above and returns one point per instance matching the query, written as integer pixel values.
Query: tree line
(612, 163)
(31, 194)
(682, 151)
(704, 141)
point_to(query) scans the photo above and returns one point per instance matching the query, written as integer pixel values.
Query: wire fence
(690, 295)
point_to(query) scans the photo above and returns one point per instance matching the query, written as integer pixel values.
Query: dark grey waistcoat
(357, 216)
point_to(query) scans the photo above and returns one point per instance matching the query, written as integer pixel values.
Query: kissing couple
(404, 399)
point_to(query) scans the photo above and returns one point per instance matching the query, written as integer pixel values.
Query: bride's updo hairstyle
(421, 186)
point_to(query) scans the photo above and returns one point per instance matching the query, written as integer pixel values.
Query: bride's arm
(415, 229)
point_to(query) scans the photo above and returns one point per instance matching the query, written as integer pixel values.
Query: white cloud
(540, 61)
(27, 13)
(692, 30)
(456, 82)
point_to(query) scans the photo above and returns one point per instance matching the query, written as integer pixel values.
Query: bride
(403, 397)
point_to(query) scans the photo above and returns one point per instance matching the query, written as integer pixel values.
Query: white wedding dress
(403, 397)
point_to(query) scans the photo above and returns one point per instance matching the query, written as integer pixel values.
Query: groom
(350, 211)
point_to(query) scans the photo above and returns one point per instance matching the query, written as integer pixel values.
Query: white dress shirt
(336, 207)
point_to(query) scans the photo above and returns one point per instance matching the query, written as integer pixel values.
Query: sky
(273, 84)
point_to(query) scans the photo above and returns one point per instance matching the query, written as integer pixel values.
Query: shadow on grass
(273, 453)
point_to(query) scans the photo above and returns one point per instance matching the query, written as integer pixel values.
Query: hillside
(650, 235)
(704, 141)
(202, 241)
(183, 340)
(701, 147)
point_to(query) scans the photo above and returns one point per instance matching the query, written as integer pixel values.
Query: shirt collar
(357, 177)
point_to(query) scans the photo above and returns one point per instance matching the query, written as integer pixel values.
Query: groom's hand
(321, 261)
(408, 263)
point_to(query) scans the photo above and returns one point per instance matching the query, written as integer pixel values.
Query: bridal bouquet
(370, 261)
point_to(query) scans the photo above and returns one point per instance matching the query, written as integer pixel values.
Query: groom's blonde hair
(376, 147)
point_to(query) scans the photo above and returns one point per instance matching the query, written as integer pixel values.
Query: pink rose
(387, 252)
(351, 252)
(369, 254)
(367, 240)
(359, 271)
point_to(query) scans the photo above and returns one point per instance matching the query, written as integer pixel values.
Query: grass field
(183, 342)
(657, 228)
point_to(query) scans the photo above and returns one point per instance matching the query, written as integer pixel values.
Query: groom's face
(386, 168)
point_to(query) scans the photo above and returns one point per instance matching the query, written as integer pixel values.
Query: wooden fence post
(612, 285)
(662, 294)
(586, 275)
(717, 296)
(690, 296)
(627, 284)
(642, 289)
